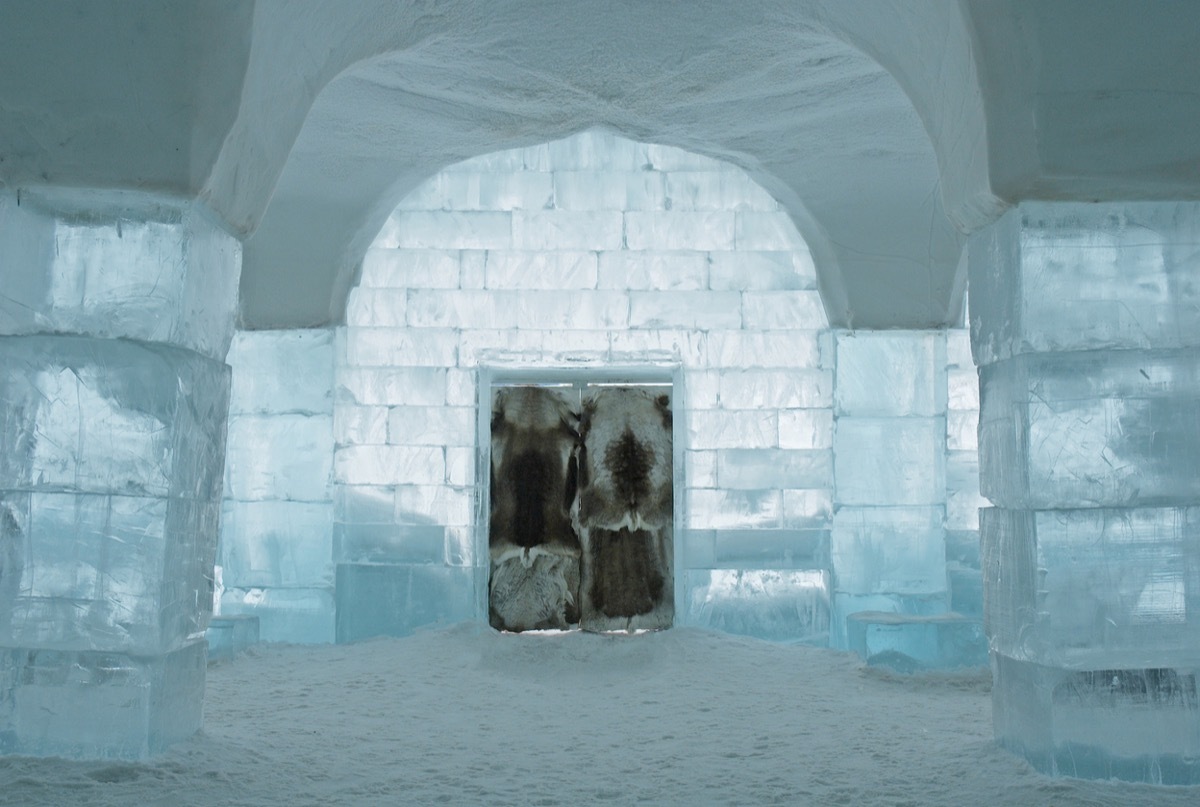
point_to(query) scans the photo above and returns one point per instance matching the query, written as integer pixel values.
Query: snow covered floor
(468, 716)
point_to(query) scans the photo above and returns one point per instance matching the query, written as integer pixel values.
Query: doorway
(581, 506)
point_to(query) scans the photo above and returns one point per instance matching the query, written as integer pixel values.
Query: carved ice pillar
(1085, 322)
(116, 311)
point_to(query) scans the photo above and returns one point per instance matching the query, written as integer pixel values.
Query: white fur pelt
(534, 589)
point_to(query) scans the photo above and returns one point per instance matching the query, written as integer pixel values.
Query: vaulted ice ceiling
(886, 127)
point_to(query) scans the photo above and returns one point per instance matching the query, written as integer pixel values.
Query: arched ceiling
(772, 87)
(887, 127)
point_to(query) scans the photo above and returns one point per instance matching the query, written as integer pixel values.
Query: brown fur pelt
(626, 509)
(533, 544)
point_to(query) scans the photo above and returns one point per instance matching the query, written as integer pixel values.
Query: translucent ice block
(277, 543)
(889, 461)
(767, 604)
(87, 704)
(110, 416)
(99, 572)
(910, 643)
(757, 271)
(1091, 429)
(1094, 588)
(410, 269)
(897, 550)
(727, 189)
(608, 190)
(684, 309)
(843, 605)
(552, 270)
(1053, 276)
(280, 457)
(742, 469)
(1140, 724)
(566, 229)
(891, 373)
(653, 270)
(296, 615)
(395, 600)
(763, 548)
(282, 372)
(676, 229)
(228, 636)
(117, 264)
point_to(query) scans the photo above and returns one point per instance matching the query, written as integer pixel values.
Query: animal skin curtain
(580, 528)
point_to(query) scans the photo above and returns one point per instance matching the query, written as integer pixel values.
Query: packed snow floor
(464, 715)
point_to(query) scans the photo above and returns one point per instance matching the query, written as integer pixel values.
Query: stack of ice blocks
(1084, 324)
(113, 401)
(276, 552)
(889, 548)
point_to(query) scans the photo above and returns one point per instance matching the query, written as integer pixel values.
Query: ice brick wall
(590, 251)
(276, 549)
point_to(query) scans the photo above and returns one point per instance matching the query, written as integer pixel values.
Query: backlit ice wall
(824, 473)
(116, 310)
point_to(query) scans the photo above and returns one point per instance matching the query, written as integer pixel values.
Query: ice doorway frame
(491, 376)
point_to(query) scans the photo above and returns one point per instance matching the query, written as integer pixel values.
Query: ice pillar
(116, 310)
(1084, 322)
(888, 546)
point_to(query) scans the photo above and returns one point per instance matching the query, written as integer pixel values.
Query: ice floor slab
(111, 416)
(766, 604)
(1074, 276)
(911, 643)
(395, 600)
(1094, 587)
(1091, 429)
(83, 704)
(1139, 724)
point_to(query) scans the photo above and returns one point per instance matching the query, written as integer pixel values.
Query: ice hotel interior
(526, 401)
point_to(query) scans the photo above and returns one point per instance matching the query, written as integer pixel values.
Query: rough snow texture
(468, 716)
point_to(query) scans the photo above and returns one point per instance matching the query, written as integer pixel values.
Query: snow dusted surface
(464, 715)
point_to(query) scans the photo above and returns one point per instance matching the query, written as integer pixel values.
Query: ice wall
(592, 251)
(276, 550)
(1084, 324)
(115, 312)
(586, 255)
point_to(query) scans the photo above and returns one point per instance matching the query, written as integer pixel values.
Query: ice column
(276, 552)
(116, 311)
(1085, 327)
(888, 543)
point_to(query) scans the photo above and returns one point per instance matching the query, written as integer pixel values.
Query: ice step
(913, 642)
(229, 635)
